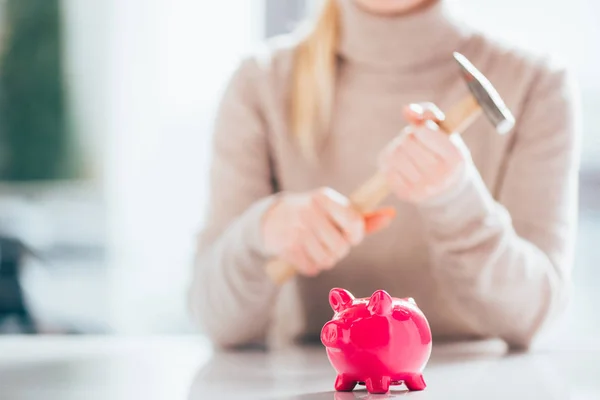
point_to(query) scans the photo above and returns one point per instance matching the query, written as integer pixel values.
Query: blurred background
(106, 109)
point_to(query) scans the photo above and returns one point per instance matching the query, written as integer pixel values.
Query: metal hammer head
(485, 94)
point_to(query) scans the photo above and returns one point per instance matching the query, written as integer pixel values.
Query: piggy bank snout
(330, 334)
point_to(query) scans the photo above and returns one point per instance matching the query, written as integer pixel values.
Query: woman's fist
(315, 230)
(424, 162)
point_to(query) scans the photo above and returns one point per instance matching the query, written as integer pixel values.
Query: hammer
(483, 97)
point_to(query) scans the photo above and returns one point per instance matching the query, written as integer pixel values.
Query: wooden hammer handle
(375, 190)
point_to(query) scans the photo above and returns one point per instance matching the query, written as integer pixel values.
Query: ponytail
(313, 80)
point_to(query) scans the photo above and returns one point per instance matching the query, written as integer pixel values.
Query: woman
(484, 224)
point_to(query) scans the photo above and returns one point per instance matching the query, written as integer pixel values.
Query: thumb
(379, 219)
(418, 113)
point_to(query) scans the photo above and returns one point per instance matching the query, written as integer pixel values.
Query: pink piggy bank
(377, 342)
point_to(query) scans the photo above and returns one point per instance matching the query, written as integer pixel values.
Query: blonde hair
(313, 79)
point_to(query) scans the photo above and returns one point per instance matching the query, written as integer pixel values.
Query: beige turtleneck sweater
(491, 260)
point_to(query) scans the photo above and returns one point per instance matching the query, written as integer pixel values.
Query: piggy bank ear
(380, 303)
(340, 299)
(410, 300)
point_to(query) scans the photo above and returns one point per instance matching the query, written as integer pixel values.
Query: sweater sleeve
(230, 296)
(504, 265)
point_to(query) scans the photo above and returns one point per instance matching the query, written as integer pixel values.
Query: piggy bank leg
(378, 385)
(344, 384)
(415, 382)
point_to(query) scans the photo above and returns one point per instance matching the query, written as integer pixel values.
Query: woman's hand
(315, 230)
(424, 162)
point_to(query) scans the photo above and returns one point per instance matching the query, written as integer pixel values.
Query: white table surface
(175, 368)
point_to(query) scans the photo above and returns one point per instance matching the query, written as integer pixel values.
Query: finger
(316, 251)
(436, 141)
(432, 112)
(303, 264)
(398, 181)
(403, 187)
(418, 113)
(331, 238)
(405, 166)
(422, 157)
(340, 212)
(413, 113)
(387, 156)
(379, 219)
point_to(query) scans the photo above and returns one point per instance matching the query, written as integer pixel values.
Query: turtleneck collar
(397, 42)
